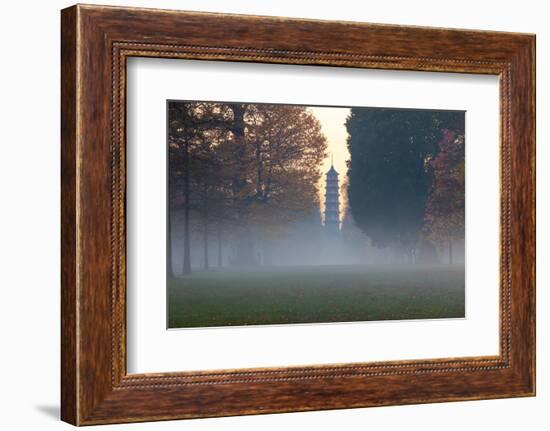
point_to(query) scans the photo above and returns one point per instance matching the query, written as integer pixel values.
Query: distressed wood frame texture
(95, 43)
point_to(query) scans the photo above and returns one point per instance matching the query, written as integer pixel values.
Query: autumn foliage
(444, 216)
(235, 166)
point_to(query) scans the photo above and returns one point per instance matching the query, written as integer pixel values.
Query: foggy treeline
(243, 187)
(406, 178)
(240, 175)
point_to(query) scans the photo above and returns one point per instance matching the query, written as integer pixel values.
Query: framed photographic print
(266, 215)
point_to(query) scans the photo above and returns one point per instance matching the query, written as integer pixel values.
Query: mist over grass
(316, 294)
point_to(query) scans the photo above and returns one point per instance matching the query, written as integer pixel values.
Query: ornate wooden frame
(95, 43)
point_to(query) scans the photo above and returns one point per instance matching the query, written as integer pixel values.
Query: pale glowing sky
(333, 126)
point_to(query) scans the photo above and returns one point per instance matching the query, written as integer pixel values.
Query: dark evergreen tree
(389, 179)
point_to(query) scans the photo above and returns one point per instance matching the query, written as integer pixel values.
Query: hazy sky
(333, 124)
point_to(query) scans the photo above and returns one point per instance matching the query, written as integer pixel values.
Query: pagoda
(332, 200)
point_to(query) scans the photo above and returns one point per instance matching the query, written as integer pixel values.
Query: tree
(278, 167)
(244, 164)
(181, 128)
(191, 134)
(389, 178)
(444, 216)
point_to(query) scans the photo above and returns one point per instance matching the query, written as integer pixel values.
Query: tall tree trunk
(186, 238)
(450, 252)
(219, 236)
(244, 249)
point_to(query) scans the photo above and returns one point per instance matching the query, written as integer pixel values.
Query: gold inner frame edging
(120, 380)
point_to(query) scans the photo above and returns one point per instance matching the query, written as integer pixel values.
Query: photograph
(293, 214)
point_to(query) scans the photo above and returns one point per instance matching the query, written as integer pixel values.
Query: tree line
(406, 177)
(240, 172)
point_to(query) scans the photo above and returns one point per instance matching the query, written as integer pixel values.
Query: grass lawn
(347, 293)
